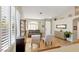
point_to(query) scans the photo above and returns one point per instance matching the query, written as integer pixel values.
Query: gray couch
(34, 32)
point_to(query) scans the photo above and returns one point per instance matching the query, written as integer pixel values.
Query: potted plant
(67, 34)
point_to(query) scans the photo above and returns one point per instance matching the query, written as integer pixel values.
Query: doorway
(78, 30)
(48, 28)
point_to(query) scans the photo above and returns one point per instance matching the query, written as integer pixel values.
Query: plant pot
(67, 39)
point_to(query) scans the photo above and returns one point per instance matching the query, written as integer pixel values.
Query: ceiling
(40, 12)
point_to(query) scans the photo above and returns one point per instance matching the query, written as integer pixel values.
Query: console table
(59, 34)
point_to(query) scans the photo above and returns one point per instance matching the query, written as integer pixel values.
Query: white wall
(18, 23)
(19, 8)
(70, 23)
(67, 21)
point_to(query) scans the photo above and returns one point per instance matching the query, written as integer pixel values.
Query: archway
(76, 29)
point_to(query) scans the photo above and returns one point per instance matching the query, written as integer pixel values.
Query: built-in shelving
(22, 28)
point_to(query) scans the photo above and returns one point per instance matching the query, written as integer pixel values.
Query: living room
(54, 22)
(38, 28)
(31, 29)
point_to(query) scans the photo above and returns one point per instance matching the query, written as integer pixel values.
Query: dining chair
(35, 40)
(48, 40)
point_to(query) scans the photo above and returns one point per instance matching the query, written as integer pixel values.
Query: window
(33, 25)
(5, 28)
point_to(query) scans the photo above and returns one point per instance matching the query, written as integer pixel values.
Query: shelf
(22, 27)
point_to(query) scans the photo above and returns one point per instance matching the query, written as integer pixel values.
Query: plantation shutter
(4, 28)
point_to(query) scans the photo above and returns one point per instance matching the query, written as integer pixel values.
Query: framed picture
(75, 28)
(61, 26)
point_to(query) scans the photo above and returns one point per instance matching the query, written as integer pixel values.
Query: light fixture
(55, 19)
(41, 13)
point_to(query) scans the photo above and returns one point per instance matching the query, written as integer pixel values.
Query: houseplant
(67, 34)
